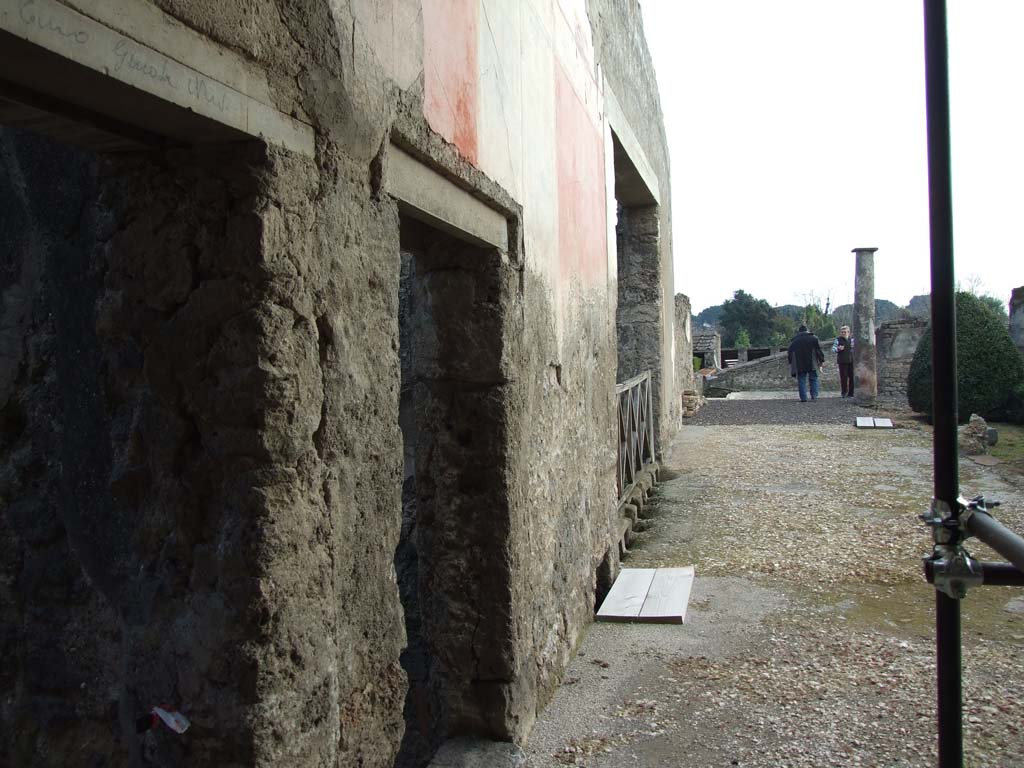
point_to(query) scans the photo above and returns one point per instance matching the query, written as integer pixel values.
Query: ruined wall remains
(626, 64)
(690, 385)
(1017, 317)
(683, 344)
(638, 319)
(896, 342)
(772, 374)
(201, 416)
(708, 345)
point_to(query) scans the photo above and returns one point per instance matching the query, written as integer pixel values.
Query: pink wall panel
(582, 236)
(450, 71)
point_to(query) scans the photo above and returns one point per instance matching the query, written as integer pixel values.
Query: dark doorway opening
(451, 561)
(638, 314)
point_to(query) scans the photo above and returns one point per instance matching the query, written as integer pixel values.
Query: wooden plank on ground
(668, 596)
(627, 595)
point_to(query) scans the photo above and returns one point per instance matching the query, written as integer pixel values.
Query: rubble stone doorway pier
(450, 562)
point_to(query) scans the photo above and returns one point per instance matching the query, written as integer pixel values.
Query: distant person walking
(843, 348)
(805, 360)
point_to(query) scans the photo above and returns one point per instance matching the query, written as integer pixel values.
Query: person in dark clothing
(843, 347)
(805, 360)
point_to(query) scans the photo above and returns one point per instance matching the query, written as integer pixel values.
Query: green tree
(990, 369)
(742, 338)
(745, 311)
(783, 329)
(818, 322)
(997, 307)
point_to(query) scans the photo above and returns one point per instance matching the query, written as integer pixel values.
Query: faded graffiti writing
(49, 22)
(127, 60)
(199, 87)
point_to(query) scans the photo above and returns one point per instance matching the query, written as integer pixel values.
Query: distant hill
(921, 306)
(709, 316)
(792, 311)
(884, 312)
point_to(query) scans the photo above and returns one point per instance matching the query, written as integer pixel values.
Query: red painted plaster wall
(582, 237)
(450, 71)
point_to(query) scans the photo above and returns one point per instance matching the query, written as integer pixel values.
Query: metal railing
(636, 431)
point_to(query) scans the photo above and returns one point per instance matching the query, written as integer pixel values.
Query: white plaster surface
(393, 32)
(540, 183)
(502, 85)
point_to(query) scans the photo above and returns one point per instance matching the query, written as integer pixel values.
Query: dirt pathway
(809, 640)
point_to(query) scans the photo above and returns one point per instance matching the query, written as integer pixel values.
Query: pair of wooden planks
(656, 595)
(867, 422)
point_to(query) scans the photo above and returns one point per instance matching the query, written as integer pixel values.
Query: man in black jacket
(805, 360)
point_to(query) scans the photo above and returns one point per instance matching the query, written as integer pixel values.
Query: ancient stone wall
(626, 64)
(896, 342)
(683, 343)
(691, 386)
(202, 445)
(638, 319)
(772, 374)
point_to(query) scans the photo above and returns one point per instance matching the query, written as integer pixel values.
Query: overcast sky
(797, 132)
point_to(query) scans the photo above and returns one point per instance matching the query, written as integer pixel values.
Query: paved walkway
(809, 640)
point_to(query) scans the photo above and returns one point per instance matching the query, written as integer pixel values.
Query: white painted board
(865, 422)
(668, 596)
(627, 595)
(884, 424)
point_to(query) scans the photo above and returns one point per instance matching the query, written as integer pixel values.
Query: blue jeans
(801, 383)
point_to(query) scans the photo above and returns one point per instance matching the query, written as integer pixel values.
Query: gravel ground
(810, 635)
(824, 410)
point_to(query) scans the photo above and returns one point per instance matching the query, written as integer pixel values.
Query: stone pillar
(865, 380)
(1017, 317)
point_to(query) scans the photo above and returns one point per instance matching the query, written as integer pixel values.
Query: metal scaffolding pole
(944, 394)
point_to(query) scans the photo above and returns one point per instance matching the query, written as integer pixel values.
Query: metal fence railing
(636, 431)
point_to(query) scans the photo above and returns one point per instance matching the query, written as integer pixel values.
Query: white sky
(796, 130)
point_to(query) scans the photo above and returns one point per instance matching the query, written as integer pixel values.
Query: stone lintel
(636, 184)
(107, 71)
(426, 195)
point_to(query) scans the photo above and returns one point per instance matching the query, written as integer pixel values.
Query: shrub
(989, 367)
(1013, 410)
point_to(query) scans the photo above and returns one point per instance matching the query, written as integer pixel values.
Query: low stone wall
(771, 374)
(895, 344)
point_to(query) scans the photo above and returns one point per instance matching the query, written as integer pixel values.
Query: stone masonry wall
(684, 344)
(772, 374)
(896, 342)
(639, 315)
(201, 449)
(208, 453)
(625, 61)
